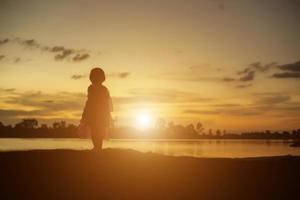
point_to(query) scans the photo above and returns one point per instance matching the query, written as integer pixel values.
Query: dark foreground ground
(125, 174)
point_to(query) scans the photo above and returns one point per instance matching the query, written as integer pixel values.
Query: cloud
(271, 99)
(11, 113)
(200, 66)
(10, 90)
(63, 54)
(249, 73)
(255, 110)
(123, 74)
(227, 79)
(40, 105)
(4, 41)
(60, 52)
(286, 75)
(119, 75)
(58, 49)
(17, 60)
(269, 104)
(257, 67)
(159, 96)
(196, 73)
(243, 86)
(168, 96)
(290, 70)
(6, 91)
(186, 76)
(30, 43)
(226, 105)
(201, 112)
(77, 76)
(14, 60)
(295, 67)
(231, 111)
(81, 57)
(249, 76)
(221, 6)
(55, 102)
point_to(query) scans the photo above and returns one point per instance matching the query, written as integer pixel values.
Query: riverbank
(127, 174)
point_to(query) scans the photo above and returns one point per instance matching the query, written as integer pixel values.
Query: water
(195, 148)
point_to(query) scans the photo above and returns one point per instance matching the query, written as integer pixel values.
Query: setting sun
(144, 120)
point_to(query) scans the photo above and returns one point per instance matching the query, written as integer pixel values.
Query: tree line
(30, 128)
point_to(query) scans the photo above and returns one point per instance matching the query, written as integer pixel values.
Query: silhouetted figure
(97, 108)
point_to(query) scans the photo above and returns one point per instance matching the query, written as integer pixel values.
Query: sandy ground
(127, 174)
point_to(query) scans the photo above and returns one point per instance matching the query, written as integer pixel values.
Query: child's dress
(98, 107)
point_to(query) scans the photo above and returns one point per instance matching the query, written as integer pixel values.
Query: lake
(196, 148)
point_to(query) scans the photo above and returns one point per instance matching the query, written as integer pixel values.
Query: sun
(144, 120)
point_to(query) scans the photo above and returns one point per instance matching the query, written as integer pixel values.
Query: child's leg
(96, 134)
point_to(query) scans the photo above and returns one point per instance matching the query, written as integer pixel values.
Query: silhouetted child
(98, 107)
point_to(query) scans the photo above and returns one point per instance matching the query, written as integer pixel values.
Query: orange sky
(229, 64)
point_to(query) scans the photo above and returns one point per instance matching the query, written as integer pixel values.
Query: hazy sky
(231, 64)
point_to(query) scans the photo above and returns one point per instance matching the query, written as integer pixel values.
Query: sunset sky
(230, 64)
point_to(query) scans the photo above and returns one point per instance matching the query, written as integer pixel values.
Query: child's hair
(97, 75)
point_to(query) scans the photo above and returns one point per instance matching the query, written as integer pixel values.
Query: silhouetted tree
(44, 126)
(210, 132)
(29, 128)
(61, 124)
(27, 123)
(56, 125)
(190, 130)
(199, 128)
(218, 133)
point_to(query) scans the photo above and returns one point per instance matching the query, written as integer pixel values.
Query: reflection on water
(196, 148)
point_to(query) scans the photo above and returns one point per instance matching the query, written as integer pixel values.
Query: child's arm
(84, 114)
(110, 109)
(110, 104)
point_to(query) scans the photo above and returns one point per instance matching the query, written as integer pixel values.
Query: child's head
(97, 75)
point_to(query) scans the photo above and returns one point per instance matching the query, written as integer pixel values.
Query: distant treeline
(30, 128)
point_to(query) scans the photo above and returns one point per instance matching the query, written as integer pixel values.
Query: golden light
(144, 120)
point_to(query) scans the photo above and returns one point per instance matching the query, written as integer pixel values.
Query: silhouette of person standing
(97, 108)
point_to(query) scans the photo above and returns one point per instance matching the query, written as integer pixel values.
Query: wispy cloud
(286, 75)
(119, 75)
(249, 73)
(290, 67)
(80, 57)
(271, 99)
(77, 76)
(228, 79)
(169, 95)
(4, 41)
(2, 57)
(241, 86)
(249, 76)
(290, 70)
(58, 52)
(268, 104)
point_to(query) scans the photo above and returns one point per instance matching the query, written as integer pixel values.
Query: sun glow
(144, 120)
